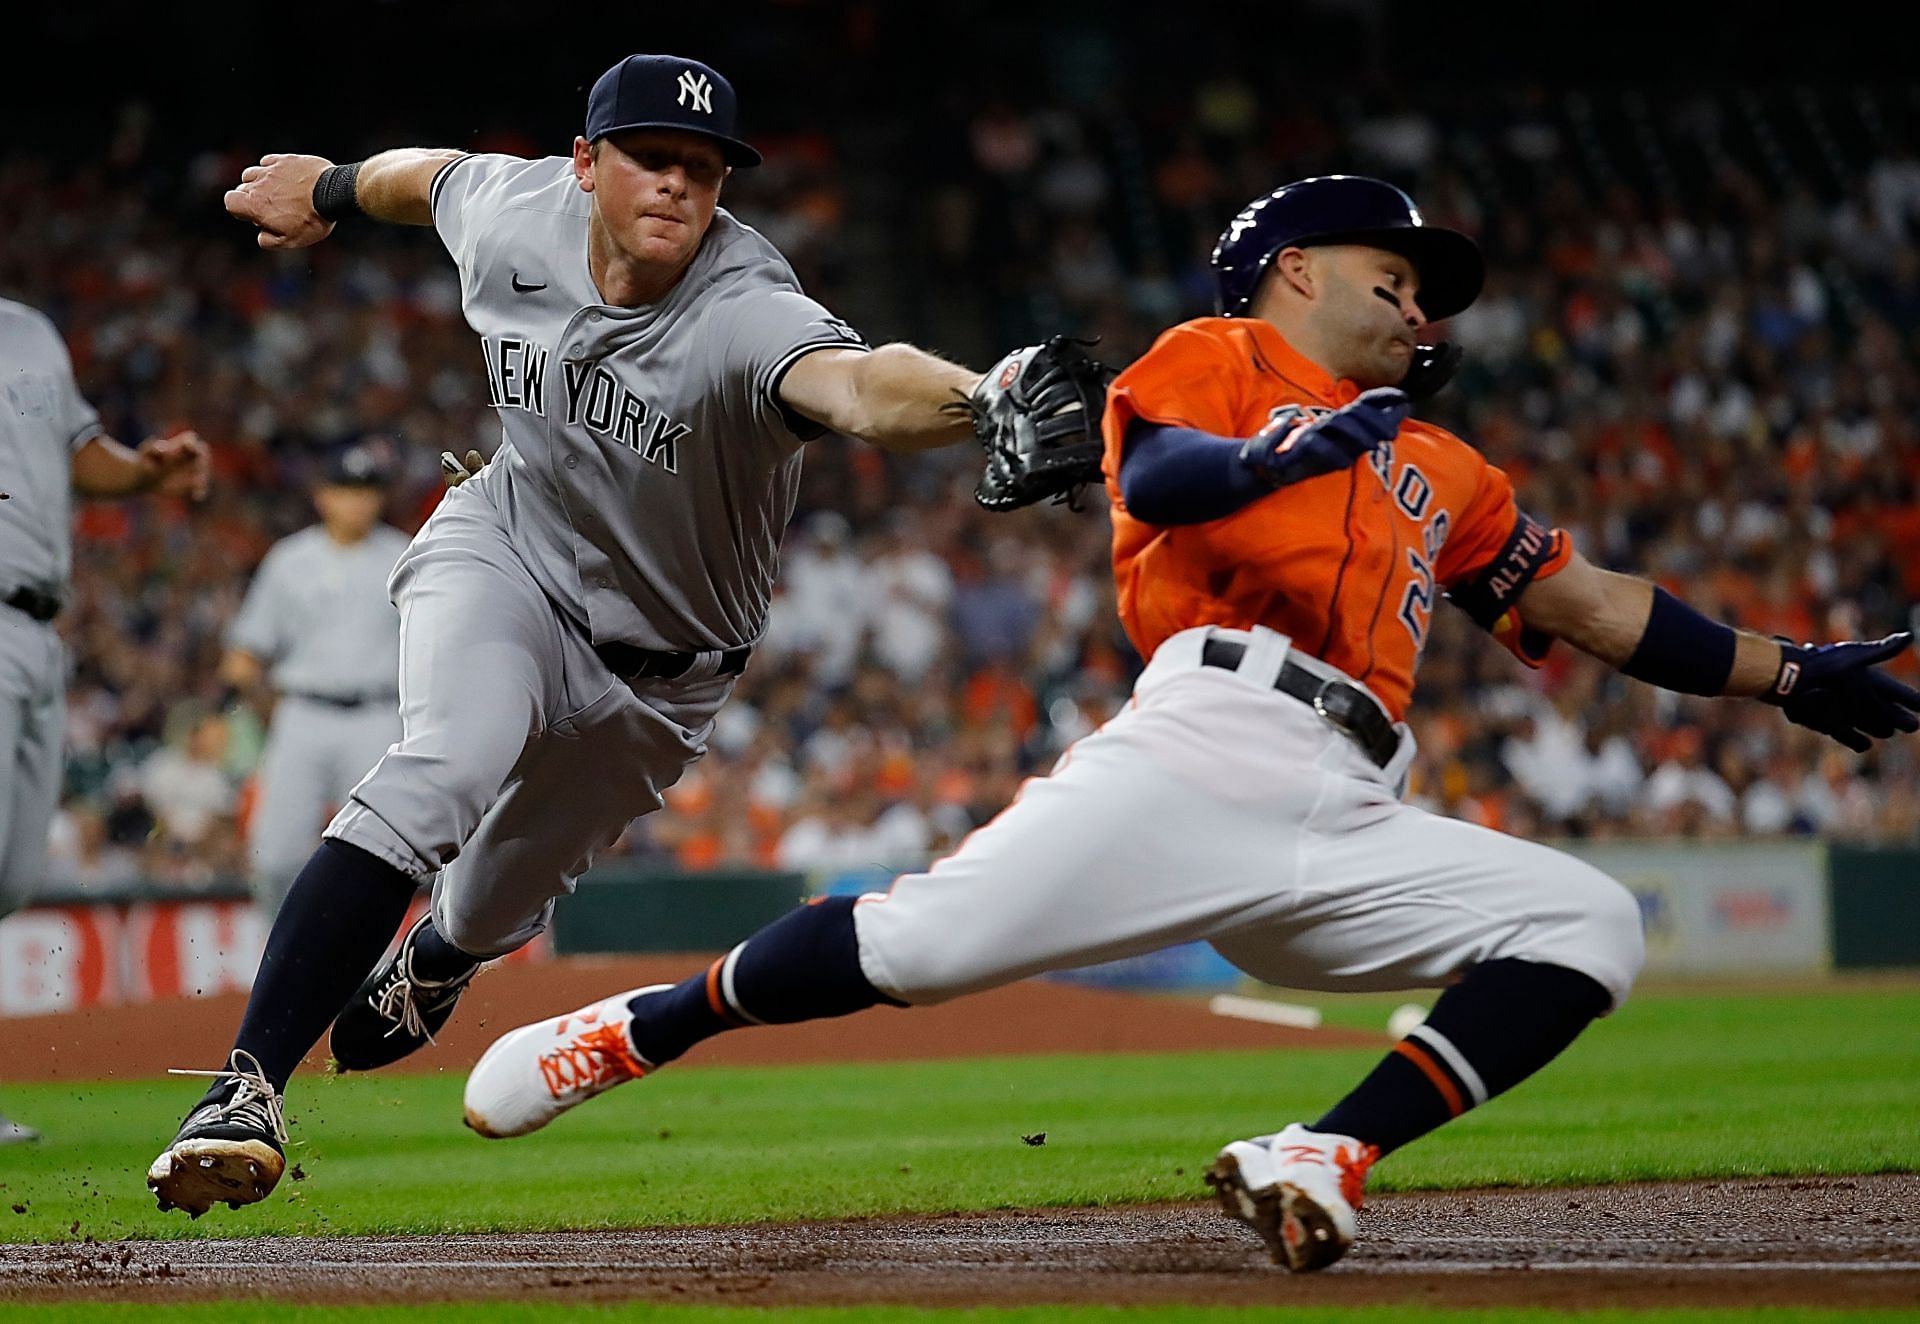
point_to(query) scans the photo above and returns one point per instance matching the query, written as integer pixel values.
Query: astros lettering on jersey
(1349, 565)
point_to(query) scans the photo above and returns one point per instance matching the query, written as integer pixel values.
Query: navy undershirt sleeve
(1174, 475)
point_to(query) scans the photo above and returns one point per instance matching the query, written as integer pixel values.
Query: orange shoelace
(1354, 1164)
(597, 1058)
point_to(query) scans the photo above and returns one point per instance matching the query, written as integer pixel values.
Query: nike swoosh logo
(521, 288)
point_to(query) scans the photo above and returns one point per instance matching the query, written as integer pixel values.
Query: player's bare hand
(277, 196)
(179, 465)
(457, 472)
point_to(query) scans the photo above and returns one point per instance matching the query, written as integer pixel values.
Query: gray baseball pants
(521, 756)
(33, 711)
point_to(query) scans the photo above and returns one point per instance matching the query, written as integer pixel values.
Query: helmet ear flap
(1432, 368)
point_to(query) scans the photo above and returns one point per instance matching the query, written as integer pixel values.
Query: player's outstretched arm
(179, 465)
(1645, 632)
(896, 397)
(285, 195)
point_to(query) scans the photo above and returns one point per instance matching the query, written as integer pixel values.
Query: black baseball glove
(1037, 414)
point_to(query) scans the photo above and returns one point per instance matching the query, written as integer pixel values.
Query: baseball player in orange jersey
(1283, 532)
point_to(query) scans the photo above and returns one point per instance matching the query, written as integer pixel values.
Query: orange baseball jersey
(1349, 565)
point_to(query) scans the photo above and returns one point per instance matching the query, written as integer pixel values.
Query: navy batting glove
(1836, 690)
(1298, 445)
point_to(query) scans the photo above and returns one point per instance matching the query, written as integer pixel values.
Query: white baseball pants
(1216, 808)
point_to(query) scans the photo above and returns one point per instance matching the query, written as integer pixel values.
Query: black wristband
(334, 194)
(1682, 650)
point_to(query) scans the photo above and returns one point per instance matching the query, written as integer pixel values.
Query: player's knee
(1610, 935)
(483, 936)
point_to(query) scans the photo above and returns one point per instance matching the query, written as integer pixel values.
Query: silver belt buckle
(1338, 723)
(1320, 705)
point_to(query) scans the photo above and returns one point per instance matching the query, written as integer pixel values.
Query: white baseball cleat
(1299, 1190)
(533, 1074)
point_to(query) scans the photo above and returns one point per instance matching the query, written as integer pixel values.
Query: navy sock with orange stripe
(802, 967)
(1501, 1023)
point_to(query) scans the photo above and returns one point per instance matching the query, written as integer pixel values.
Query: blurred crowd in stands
(1697, 352)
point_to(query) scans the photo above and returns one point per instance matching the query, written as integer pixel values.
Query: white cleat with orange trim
(533, 1074)
(1299, 1190)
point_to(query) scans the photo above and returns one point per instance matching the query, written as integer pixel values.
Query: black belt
(43, 607)
(343, 700)
(1345, 706)
(631, 663)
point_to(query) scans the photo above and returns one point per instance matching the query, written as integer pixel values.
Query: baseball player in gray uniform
(51, 445)
(572, 618)
(318, 624)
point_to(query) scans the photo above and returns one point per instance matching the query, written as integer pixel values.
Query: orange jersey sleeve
(1482, 531)
(1489, 562)
(1187, 379)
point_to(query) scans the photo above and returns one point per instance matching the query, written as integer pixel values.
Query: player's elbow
(1144, 500)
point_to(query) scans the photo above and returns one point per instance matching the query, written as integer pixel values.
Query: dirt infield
(1832, 1242)
(1032, 1017)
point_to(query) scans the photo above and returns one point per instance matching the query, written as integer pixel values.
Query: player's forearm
(105, 468)
(904, 399)
(396, 186)
(1631, 626)
(1174, 475)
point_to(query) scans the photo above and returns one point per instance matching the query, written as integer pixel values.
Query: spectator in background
(191, 796)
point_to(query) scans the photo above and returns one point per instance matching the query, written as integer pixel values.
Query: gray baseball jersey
(669, 536)
(318, 613)
(43, 421)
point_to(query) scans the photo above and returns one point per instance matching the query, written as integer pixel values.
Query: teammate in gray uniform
(51, 445)
(318, 615)
(573, 617)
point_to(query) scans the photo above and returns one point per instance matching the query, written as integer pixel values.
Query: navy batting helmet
(1345, 209)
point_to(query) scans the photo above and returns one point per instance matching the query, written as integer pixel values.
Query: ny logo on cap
(699, 88)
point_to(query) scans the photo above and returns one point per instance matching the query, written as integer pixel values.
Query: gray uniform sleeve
(468, 192)
(257, 627)
(77, 420)
(775, 332)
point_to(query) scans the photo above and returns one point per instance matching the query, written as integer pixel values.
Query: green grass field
(1677, 1085)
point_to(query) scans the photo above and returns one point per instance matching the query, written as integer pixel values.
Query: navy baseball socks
(1501, 1023)
(337, 919)
(802, 967)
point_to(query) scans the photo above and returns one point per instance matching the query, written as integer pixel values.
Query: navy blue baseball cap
(667, 92)
(354, 466)
(1345, 209)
